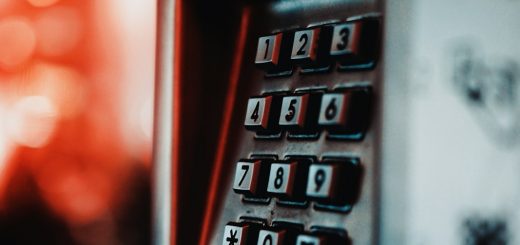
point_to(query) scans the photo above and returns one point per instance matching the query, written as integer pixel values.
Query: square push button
(281, 178)
(323, 181)
(262, 113)
(294, 110)
(268, 51)
(247, 177)
(346, 112)
(355, 43)
(235, 234)
(267, 237)
(310, 48)
(305, 45)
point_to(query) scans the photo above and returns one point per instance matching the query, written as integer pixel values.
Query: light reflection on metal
(163, 143)
(291, 5)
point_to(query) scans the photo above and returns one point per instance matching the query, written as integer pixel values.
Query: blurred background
(76, 93)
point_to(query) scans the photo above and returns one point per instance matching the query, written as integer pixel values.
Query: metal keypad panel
(304, 169)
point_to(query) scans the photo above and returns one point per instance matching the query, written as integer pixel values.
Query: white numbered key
(333, 109)
(246, 176)
(346, 39)
(266, 237)
(293, 111)
(322, 180)
(257, 114)
(305, 45)
(281, 178)
(268, 51)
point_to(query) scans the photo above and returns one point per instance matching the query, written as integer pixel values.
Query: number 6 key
(345, 112)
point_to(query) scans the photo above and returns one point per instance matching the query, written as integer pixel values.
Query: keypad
(324, 112)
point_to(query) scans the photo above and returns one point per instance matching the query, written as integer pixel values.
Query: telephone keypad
(337, 107)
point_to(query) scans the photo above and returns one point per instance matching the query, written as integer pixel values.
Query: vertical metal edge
(395, 117)
(163, 125)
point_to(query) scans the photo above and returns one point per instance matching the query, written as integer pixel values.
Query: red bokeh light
(73, 119)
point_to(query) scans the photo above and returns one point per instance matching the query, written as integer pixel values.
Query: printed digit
(268, 240)
(278, 181)
(291, 110)
(303, 38)
(245, 168)
(266, 48)
(331, 110)
(319, 178)
(254, 116)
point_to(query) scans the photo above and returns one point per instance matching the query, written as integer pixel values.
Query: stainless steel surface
(163, 128)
